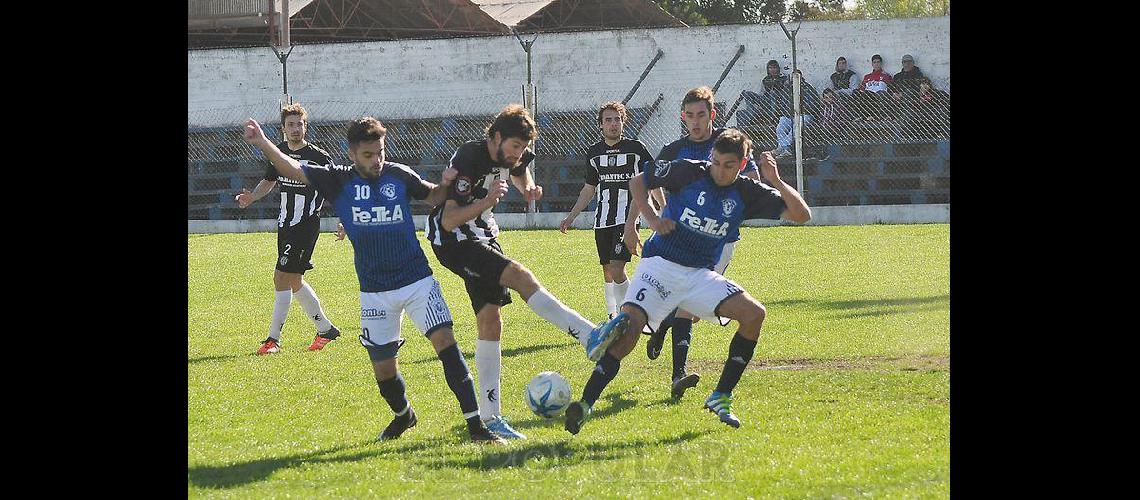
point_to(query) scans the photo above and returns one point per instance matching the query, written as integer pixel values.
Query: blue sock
(459, 380)
(393, 391)
(682, 335)
(604, 372)
(739, 354)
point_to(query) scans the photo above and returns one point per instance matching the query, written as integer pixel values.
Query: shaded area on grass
(229, 476)
(507, 353)
(847, 309)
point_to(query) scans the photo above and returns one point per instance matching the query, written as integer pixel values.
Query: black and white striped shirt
(299, 202)
(610, 169)
(476, 173)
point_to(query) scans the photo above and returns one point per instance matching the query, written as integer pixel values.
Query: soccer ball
(547, 394)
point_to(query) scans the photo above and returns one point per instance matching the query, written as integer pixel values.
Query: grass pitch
(848, 393)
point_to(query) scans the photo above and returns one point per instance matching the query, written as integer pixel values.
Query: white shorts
(721, 265)
(658, 286)
(382, 312)
(725, 256)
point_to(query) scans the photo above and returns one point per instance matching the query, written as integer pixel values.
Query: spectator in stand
(833, 119)
(905, 83)
(785, 129)
(777, 89)
(929, 109)
(872, 91)
(843, 80)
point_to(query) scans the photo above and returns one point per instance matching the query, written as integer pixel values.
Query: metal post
(798, 118)
(530, 105)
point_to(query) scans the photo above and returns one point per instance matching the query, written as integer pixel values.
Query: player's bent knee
(441, 338)
(385, 370)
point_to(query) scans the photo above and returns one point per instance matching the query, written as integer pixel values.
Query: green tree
(688, 11)
(885, 9)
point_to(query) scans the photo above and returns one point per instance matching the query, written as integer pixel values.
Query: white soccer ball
(547, 394)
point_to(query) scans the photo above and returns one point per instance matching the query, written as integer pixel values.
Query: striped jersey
(377, 217)
(684, 148)
(707, 215)
(610, 169)
(299, 202)
(476, 173)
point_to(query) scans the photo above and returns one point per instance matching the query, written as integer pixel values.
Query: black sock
(739, 354)
(459, 379)
(682, 334)
(604, 372)
(393, 391)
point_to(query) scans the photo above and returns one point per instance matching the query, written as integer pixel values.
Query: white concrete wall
(821, 216)
(479, 75)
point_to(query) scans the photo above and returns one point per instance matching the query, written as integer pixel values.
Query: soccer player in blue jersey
(372, 200)
(707, 202)
(698, 112)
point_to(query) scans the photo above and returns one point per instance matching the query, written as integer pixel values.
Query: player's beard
(503, 159)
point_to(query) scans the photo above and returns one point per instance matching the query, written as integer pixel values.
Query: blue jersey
(685, 149)
(707, 215)
(377, 216)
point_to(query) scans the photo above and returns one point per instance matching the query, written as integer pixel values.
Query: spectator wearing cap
(906, 81)
(873, 89)
(843, 80)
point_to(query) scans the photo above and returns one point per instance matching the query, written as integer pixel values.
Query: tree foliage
(704, 12)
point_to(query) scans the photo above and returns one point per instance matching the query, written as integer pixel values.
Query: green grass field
(848, 393)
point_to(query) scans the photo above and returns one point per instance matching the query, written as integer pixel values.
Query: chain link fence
(858, 149)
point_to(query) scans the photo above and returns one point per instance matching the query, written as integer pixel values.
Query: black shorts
(611, 244)
(295, 246)
(480, 265)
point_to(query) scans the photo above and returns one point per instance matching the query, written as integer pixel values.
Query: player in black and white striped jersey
(298, 226)
(613, 161)
(463, 234)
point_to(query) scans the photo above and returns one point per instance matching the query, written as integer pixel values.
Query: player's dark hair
(876, 57)
(364, 130)
(703, 93)
(513, 121)
(294, 109)
(614, 105)
(841, 58)
(733, 141)
(772, 62)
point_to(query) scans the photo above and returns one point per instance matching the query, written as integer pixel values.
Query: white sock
(568, 320)
(280, 310)
(611, 300)
(312, 306)
(620, 290)
(488, 362)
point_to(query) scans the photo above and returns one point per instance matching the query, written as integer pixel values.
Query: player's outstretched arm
(285, 165)
(525, 184)
(797, 210)
(247, 198)
(640, 193)
(584, 198)
(455, 214)
(439, 192)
